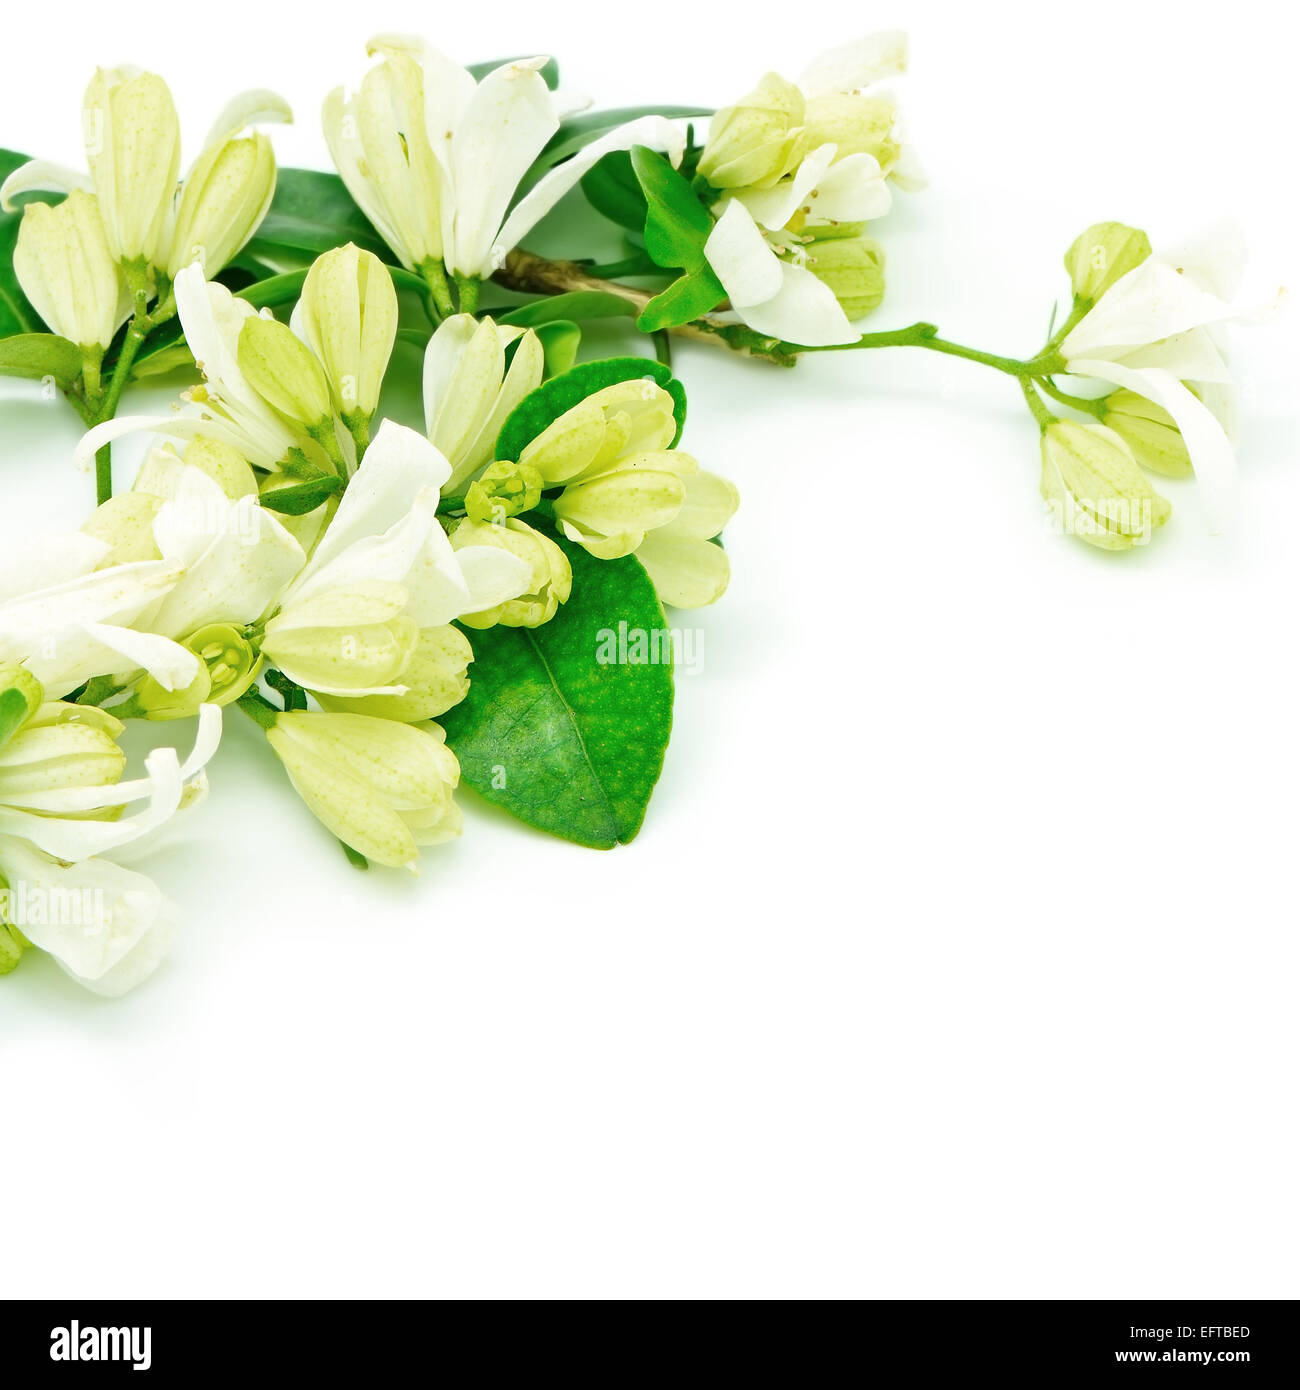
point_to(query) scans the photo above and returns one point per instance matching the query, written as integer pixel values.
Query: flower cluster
(396, 602)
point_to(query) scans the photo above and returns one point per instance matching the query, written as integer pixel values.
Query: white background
(958, 955)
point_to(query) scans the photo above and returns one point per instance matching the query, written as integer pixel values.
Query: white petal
(1214, 259)
(42, 176)
(41, 562)
(654, 132)
(441, 358)
(171, 665)
(1211, 452)
(854, 190)
(805, 311)
(856, 65)
(747, 266)
(488, 580)
(774, 207)
(503, 129)
(248, 108)
(1152, 301)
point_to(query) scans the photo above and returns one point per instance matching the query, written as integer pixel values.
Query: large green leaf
(560, 738)
(38, 355)
(552, 398)
(310, 213)
(16, 313)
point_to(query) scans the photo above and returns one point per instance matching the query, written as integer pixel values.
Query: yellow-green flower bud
(225, 197)
(348, 315)
(282, 370)
(549, 586)
(505, 490)
(1099, 256)
(382, 787)
(1151, 433)
(231, 661)
(64, 266)
(344, 641)
(60, 746)
(855, 125)
(1094, 486)
(435, 678)
(153, 702)
(11, 946)
(853, 267)
(753, 143)
(21, 696)
(133, 145)
(630, 417)
(125, 524)
(609, 514)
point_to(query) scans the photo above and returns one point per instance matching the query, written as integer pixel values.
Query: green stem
(1036, 407)
(434, 274)
(1091, 407)
(467, 292)
(925, 335)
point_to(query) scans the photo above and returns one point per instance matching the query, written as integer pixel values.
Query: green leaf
(312, 212)
(300, 498)
(685, 299)
(550, 71)
(577, 304)
(38, 355)
(613, 189)
(577, 132)
(16, 312)
(560, 339)
(552, 398)
(556, 737)
(677, 223)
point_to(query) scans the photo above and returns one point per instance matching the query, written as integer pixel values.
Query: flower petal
(856, 65)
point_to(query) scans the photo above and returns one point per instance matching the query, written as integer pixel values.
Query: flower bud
(752, 144)
(1093, 484)
(1101, 255)
(435, 678)
(630, 417)
(282, 370)
(853, 267)
(12, 945)
(21, 696)
(223, 202)
(611, 513)
(231, 660)
(133, 145)
(348, 316)
(469, 390)
(60, 746)
(1150, 431)
(550, 583)
(504, 490)
(152, 701)
(65, 268)
(344, 641)
(382, 787)
(854, 125)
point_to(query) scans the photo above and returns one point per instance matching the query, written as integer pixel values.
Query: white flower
(106, 926)
(776, 296)
(227, 407)
(435, 159)
(383, 573)
(68, 622)
(59, 787)
(133, 149)
(1154, 332)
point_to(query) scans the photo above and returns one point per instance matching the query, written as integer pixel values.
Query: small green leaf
(613, 189)
(560, 739)
(685, 299)
(14, 711)
(560, 341)
(552, 398)
(577, 304)
(300, 498)
(38, 355)
(677, 223)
